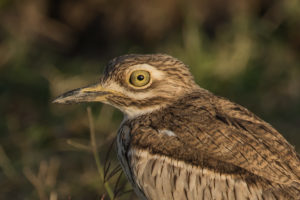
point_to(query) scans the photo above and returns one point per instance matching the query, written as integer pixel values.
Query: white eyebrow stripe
(155, 73)
(167, 132)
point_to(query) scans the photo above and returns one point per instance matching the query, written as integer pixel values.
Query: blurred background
(247, 51)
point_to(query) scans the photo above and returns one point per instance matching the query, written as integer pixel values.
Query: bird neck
(134, 111)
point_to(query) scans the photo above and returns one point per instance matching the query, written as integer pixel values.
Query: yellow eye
(139, 78)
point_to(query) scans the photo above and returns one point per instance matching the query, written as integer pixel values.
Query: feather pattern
(215, 136)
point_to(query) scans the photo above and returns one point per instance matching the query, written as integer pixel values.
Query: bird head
(136, 84)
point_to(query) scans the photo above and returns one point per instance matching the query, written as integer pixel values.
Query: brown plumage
(179, 141)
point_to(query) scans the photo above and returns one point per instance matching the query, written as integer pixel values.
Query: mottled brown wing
(232, 134)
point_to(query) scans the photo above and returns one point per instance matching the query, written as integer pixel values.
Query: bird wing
(230, 133)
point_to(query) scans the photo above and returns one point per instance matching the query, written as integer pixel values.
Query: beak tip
(66, 98)
(57, 101)
(60, 100)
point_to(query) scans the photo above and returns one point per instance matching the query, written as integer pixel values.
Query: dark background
(247, 51)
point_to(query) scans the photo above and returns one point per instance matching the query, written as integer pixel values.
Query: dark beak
(92, 93)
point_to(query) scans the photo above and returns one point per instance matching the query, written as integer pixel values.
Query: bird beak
(90, 93)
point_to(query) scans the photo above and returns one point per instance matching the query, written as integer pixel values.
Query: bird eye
(139, 78)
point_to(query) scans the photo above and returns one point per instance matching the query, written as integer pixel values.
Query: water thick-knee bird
(180, 141)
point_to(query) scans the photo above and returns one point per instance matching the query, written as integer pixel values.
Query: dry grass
(44, 181)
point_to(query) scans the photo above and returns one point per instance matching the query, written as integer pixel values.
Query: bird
(180, 141)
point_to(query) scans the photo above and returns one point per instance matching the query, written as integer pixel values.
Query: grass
(245, 51)
(44, 180)
(100, 167)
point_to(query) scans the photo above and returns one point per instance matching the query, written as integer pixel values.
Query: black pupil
(140, 77)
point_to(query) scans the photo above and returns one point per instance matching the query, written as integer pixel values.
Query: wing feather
(230, 133)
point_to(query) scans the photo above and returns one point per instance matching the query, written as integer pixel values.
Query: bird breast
(160, 177)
